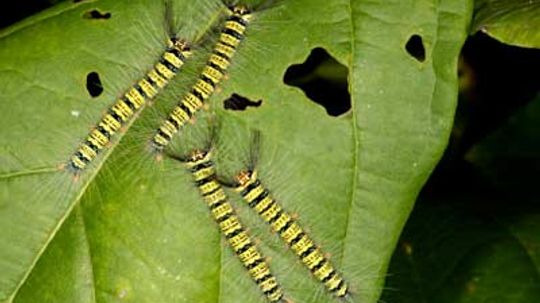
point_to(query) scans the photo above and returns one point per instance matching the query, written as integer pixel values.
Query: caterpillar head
(244, 177)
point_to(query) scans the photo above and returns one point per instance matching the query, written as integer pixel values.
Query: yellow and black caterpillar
(220, 59)
(258, 198)
(168, 66)
(202, 168)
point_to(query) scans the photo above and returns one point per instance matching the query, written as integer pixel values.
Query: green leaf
(134, 229)
(513, 22)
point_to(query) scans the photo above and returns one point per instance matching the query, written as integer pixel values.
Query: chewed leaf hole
(237, 102)
(93, 84)
(323, 79)
(96, 14)
(415, 48)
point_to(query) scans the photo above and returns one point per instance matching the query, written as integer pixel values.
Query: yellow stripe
(228, 39)
(181, 116)
(208, 187)
(219, 61)
(204, 88)
(212, 74)
(235, 26)
(165, 71)
(260, 270)
(263, 204)
(271, 212)
(254, 193)
(302, 245)
(192, 102)
(324, 271)
(333, 282)
(281, 221)
(112, 123)
(159, 139)
(157, 79)
(230, 225)
(225, 50)
(313, 259)
(99, 138)
(147, 88)
(87, 152)
(78, 163)
(268, 284)
(290, 233)
(250, 255)
(173, 59)
(239, 241)
(222, 210)
(135, 97)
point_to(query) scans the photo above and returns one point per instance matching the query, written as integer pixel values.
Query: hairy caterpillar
(201, 166)
(156, 79)
(220, 59)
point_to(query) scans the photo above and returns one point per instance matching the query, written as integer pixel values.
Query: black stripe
(339, 286)
(128, 102)
(254, 264)
(297, 238)
(198, 95)
(141, 91)
(227, 216)
(274, 218)
(185, 109)
(234, 233)
(222, 55)
(169, 65)
(258, 199)
(238, 19)
(81, 157)
(212, 192)
(216, 67)
(330, 275)
(163, 134)
(217, 204)
(116, 117)
(92, 146)
(250, 187)
(177, 53)
(284, 228)
(267, 207)
(264, 278)
(318, 265)
(200, 166)
(161, 75)
(103, 131)
(307, 252)
(233, 33)
(205, 180)
(173, 122)
(208, 80)
(152, 83)
(244, 248)
(272, 290)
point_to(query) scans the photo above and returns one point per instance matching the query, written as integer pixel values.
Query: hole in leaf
(96, 14)
(237, 102)
(93, 84)
(415, 48)
(323, 79)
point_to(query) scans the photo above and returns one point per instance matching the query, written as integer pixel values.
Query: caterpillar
(259, 199)
(213, 72)
(120, 113)
(201, 166)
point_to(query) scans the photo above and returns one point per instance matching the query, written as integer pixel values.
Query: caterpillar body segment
(200, 165)
(130, 103)
(220, 59)
(258, 198)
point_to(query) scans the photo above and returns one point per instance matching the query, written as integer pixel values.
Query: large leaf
(514, 22)
(133, 229)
